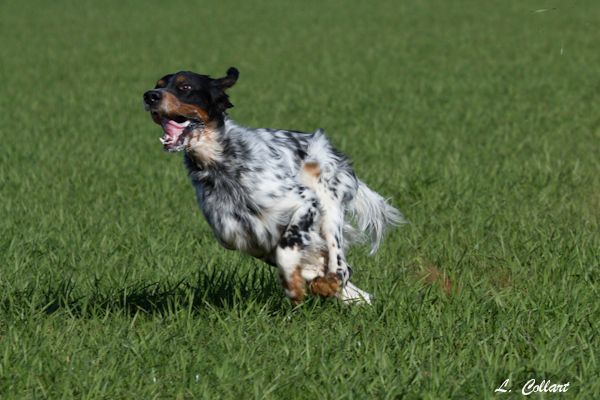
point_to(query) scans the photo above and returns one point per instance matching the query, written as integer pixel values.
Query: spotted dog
(286, 197)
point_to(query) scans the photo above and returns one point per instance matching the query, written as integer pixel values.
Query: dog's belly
(253, 235)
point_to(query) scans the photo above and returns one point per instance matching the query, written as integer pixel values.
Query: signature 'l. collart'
(545, 386)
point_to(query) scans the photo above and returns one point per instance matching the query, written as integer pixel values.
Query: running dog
(286, 197)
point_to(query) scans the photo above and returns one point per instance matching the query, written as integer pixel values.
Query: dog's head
(186, 101)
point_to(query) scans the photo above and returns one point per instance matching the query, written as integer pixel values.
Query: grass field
(479, 119)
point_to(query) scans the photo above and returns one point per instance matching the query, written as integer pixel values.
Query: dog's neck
(204, 147)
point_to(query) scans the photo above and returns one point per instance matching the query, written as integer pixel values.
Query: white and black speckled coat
(286, 197)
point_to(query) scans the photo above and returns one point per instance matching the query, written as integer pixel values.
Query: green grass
(479, 119)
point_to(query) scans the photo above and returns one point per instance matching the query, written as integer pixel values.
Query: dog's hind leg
(352, 294)
(332, 218)
(332, 187)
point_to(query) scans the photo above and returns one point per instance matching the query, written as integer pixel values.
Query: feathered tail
(373, 214)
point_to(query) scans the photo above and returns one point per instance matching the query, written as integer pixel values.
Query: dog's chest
(248, 213)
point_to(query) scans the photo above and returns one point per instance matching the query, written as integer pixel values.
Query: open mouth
(176, 130)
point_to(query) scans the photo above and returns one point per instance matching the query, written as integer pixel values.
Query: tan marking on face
(295, 287)
(171, 106)
(180, 79)
(312, 168)
(326, 286)
(161, 83)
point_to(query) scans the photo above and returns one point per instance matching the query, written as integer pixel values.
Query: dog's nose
(152, 97)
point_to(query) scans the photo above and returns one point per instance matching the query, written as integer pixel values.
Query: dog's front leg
(294, 241)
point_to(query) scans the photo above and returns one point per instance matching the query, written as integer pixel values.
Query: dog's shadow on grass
(206, 289)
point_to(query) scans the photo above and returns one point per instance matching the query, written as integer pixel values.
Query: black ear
(220, 98)
(228, 81)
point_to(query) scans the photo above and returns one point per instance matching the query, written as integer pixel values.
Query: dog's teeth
(162, 140)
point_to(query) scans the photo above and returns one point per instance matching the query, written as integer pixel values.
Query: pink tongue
(172, 128)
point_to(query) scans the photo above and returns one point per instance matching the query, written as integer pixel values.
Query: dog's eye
(185, 88)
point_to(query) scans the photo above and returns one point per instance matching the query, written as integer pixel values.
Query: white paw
(352, 295)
